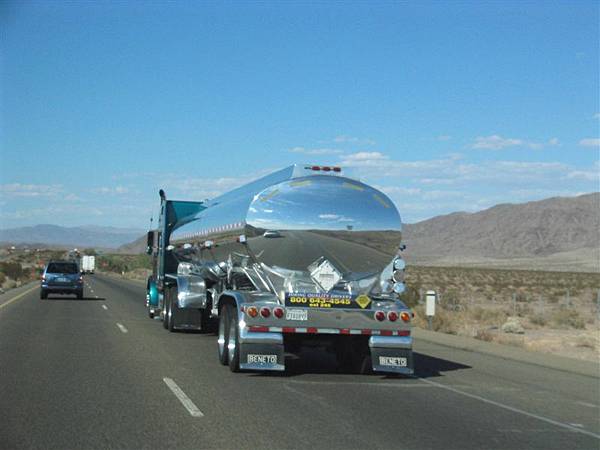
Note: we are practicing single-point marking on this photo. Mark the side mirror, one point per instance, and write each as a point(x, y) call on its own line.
point(149, 242)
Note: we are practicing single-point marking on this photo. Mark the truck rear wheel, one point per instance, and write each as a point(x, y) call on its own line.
point(173, 314)
point(223, 339)
point(166, 308)
point(233, 346)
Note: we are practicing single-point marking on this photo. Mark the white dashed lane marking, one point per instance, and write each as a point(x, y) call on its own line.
point(122, 328)
point(184, 399)
point(104, 306)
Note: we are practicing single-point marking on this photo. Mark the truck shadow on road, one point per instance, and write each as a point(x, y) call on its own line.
point(319, 363)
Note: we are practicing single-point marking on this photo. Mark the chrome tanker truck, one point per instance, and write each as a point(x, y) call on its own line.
point(301, 257)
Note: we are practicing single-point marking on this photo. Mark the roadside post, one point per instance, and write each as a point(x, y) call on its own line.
point(430, 299)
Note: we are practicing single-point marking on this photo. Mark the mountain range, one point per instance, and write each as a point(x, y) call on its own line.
point(560, 233)
point(83, 236)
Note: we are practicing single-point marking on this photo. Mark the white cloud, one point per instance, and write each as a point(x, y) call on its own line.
point(587, 175)
point(109, 190)
point(30, 190)
point(495, 142)
point(365, 157)
point(335, 217)
point(395, 190)
point(590, 142)
point(353, 140)
point(315, 151)
point(444, 137)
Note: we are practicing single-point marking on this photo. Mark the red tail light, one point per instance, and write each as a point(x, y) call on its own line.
point(326, 168)
point(265, 312)
point(380, 315)
point(392, 316)
point(278, 312)
point(337, 169)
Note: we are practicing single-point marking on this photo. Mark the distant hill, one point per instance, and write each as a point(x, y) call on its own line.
point(561, 233)
point(84, 236)
point(134, 248)
point(556, 233)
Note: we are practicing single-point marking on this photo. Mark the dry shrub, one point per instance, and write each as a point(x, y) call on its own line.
point(488, 315)
point(484, 335)
point(538, 319)
point(569, 319)
point(515, 341)
point(586, 342)
point(443, 321)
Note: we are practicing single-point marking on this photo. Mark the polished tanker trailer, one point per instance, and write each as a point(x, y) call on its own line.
point(301, 257)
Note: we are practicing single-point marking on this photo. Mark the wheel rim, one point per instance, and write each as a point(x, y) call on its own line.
point(221, 339)
point(232, 344)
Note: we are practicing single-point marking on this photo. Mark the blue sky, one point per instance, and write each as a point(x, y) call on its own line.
point(445, 106)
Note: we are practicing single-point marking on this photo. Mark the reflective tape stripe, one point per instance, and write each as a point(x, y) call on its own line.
point(314, 330)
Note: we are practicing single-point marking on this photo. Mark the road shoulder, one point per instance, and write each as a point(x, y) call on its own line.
point(576, 366)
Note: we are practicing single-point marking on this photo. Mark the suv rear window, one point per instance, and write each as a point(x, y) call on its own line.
point(62, 268)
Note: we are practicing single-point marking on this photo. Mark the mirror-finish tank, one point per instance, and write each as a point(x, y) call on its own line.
point(294, 220)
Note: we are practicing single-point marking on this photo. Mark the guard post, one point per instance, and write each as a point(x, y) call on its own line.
point(430, 300)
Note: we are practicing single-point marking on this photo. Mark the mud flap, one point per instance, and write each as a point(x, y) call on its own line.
point(392, 354)
point(261, 351)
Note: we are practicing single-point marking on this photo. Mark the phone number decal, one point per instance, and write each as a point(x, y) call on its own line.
point(321, 301)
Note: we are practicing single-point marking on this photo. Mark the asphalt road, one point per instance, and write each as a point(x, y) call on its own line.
point(91, 374)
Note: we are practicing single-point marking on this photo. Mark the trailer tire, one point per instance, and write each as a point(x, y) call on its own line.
point(43, 295)
point(166, 308)
point(223, 336)
point(233, 346)
point(173, 309)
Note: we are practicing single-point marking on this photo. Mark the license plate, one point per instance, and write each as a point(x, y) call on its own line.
point(296, 314)
point(393, 361)
point(62, 280)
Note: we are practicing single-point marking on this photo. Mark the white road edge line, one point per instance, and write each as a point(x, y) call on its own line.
point(510, 408)
point(122, 328)
point(104, 306)
point(589, 405)
point(184, 399)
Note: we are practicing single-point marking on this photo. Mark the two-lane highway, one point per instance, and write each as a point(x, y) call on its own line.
point(98, 373)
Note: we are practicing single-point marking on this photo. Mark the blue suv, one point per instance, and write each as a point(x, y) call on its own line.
point(62, 277)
